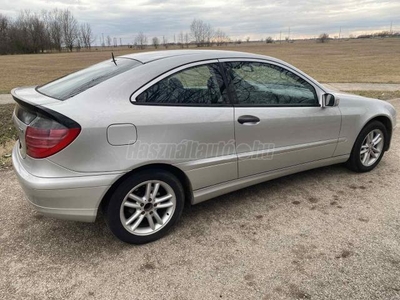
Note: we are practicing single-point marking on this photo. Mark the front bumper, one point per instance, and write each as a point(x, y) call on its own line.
point(74, 198)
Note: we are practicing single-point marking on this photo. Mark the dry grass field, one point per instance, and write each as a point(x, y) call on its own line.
point(382, 95)
point(372, 60)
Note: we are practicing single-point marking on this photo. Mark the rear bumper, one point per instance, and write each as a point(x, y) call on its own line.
point(72, 198)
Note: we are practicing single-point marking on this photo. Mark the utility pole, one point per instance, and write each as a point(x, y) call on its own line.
point(340, 32)
point(120, 42)
point(280, 38)
point(391, 27)
point(289, 35)
point(102, 40)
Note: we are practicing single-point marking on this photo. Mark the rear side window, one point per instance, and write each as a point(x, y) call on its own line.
point(200, 85)
point(78, 82)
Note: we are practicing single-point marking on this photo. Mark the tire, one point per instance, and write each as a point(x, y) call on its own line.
point(357, 160)
point(132, 206)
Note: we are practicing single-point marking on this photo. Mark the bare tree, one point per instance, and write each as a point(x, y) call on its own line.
point(56, 31)
point(181, 39)
point(269, 40)
point(109, 40)
point(70, 29)
point(47, 18)
point(40, 32)
point(33, 32)
point(141, 40)
point(323, 37)
point(187, 39)
point(87, 35)
point(208, 34)
point(79, 41)
point(4, 34)
point(53, 21)
point(220, 37)
point(47, 41)
point(156, 42)
point(201, 32)
point(27, 34)
point(30, 32)
point(165, 42)
point(196, 30)
point(248, 39)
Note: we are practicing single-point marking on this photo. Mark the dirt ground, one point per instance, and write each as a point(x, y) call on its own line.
point(322, 234)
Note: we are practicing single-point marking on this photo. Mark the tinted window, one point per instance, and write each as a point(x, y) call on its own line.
point(75, 83)
point(201, 85)
point(265, 84)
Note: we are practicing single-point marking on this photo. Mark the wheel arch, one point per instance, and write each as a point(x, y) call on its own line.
point(187, 186)
point(385, 120)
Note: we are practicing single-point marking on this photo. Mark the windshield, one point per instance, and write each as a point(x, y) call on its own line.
point(75, 83)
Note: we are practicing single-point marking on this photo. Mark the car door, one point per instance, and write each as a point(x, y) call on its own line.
point(279, 121)
point(186, 119)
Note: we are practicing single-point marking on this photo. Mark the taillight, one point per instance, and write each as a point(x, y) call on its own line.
point(45, 137)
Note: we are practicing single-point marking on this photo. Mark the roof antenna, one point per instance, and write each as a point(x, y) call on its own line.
point(113, 58)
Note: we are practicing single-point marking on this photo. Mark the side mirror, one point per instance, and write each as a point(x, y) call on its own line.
point(329, 100)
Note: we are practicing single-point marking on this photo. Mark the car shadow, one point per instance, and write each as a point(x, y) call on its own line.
point(249, 198)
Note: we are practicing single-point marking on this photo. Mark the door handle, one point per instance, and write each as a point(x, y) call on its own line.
point(248, 120)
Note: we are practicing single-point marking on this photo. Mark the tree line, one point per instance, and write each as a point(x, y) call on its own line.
point(381, 34)
point(324, 37)
point(58, 29)
point(33, 32)
point(201, 34)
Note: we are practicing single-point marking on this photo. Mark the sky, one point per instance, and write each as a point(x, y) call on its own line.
point(239, 19)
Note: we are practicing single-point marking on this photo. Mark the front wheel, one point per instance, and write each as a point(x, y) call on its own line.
point(145, 206)
point(369, 148)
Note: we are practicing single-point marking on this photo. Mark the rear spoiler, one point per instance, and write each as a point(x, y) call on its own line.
point(44, 111)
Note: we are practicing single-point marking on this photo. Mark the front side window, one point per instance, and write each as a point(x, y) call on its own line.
point(262, 84)
point(200, 85)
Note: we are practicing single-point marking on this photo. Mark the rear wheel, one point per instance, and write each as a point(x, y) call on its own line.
point(369, 148)
point(145, 206)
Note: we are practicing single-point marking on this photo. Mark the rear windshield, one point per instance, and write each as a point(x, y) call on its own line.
point(75, 83)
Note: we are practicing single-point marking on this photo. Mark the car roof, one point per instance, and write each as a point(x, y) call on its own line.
point(146, 57)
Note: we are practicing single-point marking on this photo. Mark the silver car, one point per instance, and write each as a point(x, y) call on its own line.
point(139, 136)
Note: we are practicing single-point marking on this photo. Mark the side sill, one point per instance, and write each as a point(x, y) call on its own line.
point(210, 192)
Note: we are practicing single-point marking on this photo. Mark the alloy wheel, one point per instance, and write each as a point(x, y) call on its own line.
point(372, 147)
point(148, 207)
